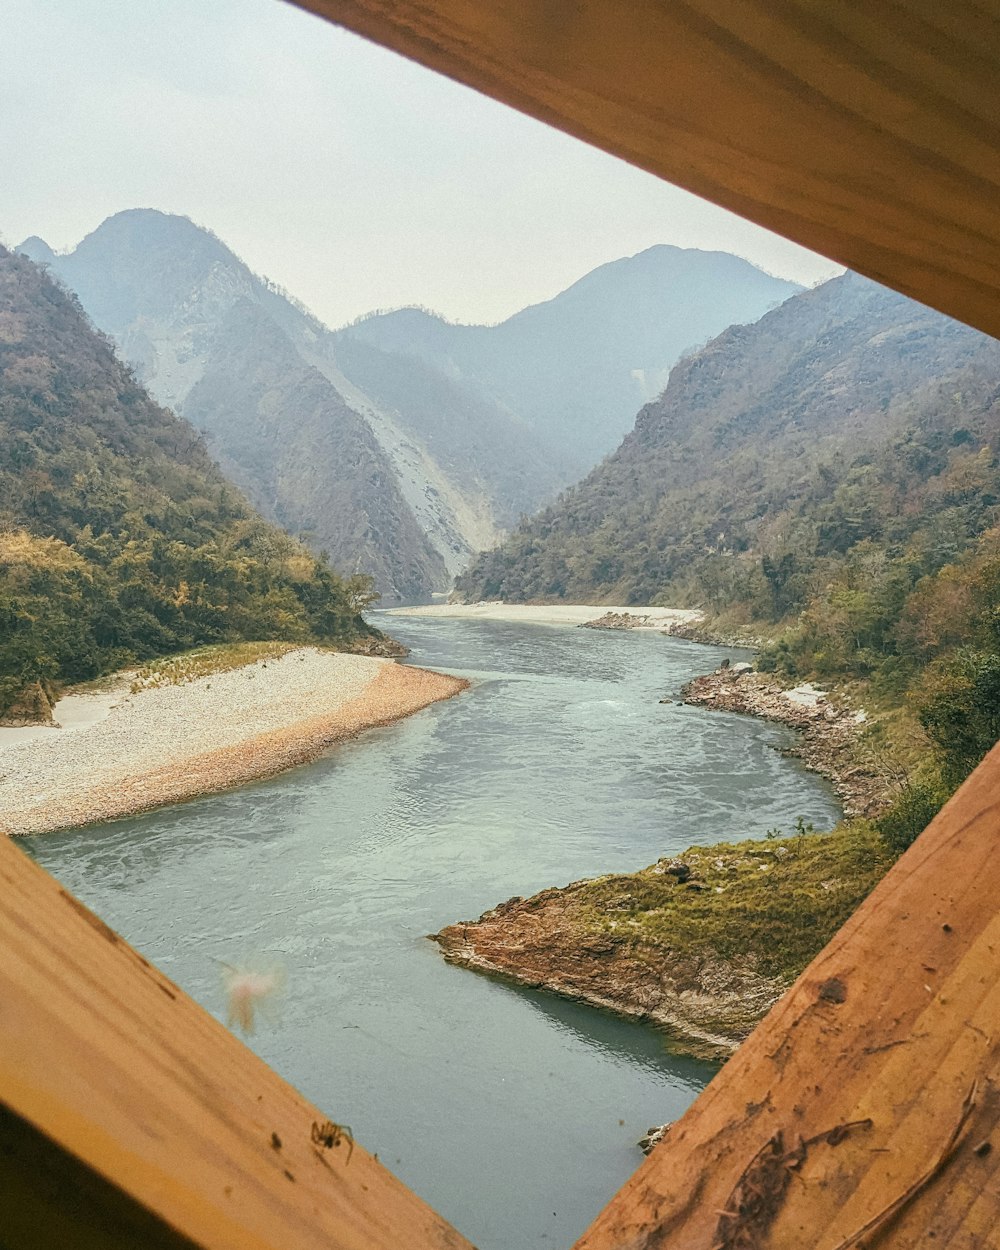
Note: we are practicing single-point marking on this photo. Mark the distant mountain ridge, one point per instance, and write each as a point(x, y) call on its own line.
point(577, 367)
point(396, 452)
point(191, 320)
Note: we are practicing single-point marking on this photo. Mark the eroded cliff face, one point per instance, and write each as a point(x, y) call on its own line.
point(550, 942)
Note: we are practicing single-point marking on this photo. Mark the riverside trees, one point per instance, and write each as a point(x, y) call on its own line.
point(119, 538)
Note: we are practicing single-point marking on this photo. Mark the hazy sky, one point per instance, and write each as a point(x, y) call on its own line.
point(352, 177)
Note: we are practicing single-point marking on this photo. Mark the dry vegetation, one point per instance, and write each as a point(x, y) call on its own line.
point(777, 901)
point(176, 670)
point(120, 541)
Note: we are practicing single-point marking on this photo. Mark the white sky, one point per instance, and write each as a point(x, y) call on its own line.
point(352, 177)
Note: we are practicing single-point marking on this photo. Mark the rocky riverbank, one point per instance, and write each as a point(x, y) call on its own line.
point(830, 732)
point(145, 747)
point(705, 943)
point(702, 944)
point(663, 620)
point(548, 942)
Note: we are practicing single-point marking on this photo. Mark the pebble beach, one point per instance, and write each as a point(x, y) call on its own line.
point(122, 751)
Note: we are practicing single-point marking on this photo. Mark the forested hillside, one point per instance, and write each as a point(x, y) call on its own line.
point(119, 539)
point(827, 478)
point(848, 414)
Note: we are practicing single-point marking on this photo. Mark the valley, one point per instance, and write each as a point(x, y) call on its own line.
point(499, 626)
point(396, 457)
point(810, 502)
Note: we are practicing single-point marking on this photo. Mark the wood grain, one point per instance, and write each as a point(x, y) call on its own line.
point(130, 1117)
point(897, 1022)
point(867, 132)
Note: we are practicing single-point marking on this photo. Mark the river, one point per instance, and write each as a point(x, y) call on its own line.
point(515, 1114)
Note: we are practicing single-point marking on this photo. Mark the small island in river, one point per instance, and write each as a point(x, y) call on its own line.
point(702, 944)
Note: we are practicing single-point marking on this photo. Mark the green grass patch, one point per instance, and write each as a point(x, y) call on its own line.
point(777, 901)
point(175, 670)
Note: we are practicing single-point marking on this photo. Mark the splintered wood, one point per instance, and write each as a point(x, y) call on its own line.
point(865, 1110)
point(760, 1191)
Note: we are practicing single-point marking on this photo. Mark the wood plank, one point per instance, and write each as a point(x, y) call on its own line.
point(130, 1117)
point(896, 1025)
point(867, 132)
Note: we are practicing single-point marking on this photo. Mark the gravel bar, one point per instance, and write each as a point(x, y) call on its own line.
point(171, 743)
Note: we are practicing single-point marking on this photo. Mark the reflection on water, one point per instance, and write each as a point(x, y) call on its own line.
point(514, 1113)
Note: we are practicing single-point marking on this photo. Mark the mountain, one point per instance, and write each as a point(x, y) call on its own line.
point(189, 317)
point(382, 462)
point(575, 368)
point(119, 538)
point(402, 444)
point(849, 415)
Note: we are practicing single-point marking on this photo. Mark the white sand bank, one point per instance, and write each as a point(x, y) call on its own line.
point(73, 711)
point(554, 614)
point(130, 752)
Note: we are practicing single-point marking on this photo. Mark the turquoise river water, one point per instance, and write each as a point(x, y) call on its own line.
point(515, 1114)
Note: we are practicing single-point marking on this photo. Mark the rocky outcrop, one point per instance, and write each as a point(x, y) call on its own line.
point(384, 646)
point(831, 732)
point(31, 707)
point(663, 620)
point(549, 942)
point(616, 620)
point(653, 1137)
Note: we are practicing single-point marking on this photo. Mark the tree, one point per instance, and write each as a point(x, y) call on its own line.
point(961, 711)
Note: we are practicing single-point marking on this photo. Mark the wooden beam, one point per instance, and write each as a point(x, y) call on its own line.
point(869, 132)
point(874, 1082)
point(130, 1117)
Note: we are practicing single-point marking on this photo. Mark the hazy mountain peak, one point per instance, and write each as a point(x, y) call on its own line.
point(142, 262)
point(377, 460)
point(36, 249)
point(576, 367)
point(664, 262)
point(152, 228)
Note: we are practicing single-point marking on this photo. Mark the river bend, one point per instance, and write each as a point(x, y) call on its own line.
point(515, 1114)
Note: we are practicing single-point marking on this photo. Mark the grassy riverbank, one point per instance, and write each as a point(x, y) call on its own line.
point(775, 902)
point(703, 944)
